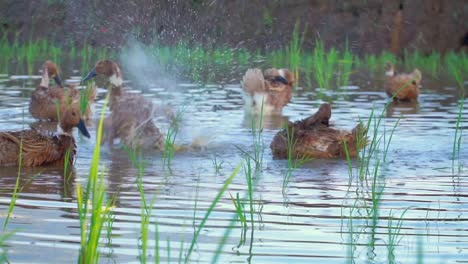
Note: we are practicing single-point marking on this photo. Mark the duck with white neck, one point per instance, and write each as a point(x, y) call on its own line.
point(131, 117)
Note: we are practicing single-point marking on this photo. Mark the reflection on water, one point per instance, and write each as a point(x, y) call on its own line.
point(397, 109)
point(307, 221)
point(272, 122)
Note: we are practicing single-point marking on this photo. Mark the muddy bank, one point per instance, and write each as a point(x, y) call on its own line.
point(367, 25)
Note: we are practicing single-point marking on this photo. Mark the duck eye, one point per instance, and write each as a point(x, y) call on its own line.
point(413, 82)
point(73, 113)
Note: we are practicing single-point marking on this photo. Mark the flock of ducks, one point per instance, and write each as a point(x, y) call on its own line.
point(131, 117)
point(313, 137)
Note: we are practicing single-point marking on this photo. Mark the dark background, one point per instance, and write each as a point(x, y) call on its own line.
point(255, 24)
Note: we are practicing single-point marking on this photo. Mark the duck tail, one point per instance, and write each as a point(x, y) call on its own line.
point(396, 31)
point(253, 81)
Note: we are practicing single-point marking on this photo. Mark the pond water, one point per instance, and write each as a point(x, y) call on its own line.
point(308, 221)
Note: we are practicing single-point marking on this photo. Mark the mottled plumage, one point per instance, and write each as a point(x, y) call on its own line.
point(403, 86)
point(273, 87)
point(313, 138)
point(131, 120)
point(131, 117)
point(38, 149)
point(44, 100)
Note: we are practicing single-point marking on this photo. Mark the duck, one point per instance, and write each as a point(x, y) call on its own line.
point(134, 125)
point(38, 149)
point(314, 138)
point(43, 103)
point(131, 117)
point(273, 88)
point(402, 86)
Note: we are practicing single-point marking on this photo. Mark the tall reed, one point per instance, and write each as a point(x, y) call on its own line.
point(93, 210)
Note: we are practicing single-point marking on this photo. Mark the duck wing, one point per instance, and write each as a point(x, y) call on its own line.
point(253, 81)
point(37, 149)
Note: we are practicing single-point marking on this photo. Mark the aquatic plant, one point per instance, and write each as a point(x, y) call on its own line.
point(328, 68)
point(85, 96)
point(15, 189)
point(140, 164)
point(93, 210)
point(258, 144)
point(429, 64)
point(294, 50)
point(217, 165)
point(323, 65)
point(345, 67)
point(210, 210)
point(257, 140)
point(456, 69)
point(240, 210)
point(169, 143)
point(293, 163)
point(458, 137)
point(420, 250)
point(248, 177)
point(157, 255)
point(368, 164)
point(394, 234)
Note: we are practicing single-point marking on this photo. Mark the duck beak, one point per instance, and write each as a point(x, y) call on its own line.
point(281, 79)
point(58, 81)
point(82, 127)
point(90, 75)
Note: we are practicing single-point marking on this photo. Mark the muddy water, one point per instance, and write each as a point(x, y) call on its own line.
point(306, 222)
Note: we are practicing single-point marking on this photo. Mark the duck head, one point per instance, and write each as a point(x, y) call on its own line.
point(53, 72)
point(279, 76)
point(288, 75)
point(389, 70)
point(70, 117)
point(107, 69)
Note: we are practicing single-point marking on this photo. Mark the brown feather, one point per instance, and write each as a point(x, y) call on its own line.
point(313, 138)
point(44, 100)
point(37, 149)
point(131, 117)
point(404, 86)
point(259, 86)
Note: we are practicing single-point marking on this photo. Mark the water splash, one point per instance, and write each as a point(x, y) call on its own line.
point(141, 65)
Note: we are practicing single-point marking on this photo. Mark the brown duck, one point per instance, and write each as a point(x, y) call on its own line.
point(273, 87)
point(43, 104)
point(40, 150)
point(131, 117)
point(402, 86)
point(314, 138)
